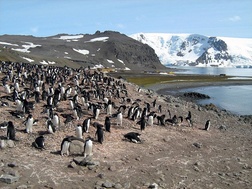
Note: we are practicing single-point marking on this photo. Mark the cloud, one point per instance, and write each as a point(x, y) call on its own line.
point(234, 18)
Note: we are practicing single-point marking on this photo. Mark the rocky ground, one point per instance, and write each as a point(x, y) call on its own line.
point(168, 156)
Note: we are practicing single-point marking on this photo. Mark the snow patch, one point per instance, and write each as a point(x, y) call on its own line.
point(26, 47)
point(121, 61)
point(110, 61)
point(47, 62)
point(70, 37)
point(5, 43)
point(28, 59)
point(84, 52)
point(98, 66)
point(101, 39)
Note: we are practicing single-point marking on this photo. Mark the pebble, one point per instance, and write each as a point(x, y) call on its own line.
point(9, 179)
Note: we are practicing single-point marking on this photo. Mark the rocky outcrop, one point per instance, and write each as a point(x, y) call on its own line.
point(108, 49)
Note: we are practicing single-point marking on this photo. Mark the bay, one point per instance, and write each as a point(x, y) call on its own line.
point(234, 98)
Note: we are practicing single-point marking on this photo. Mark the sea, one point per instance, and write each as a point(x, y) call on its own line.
point(236, 99)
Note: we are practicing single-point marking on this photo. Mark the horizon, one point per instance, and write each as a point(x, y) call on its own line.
point(225, 18)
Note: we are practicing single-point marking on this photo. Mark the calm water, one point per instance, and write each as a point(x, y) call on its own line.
point(236, 99)
point(241, 72)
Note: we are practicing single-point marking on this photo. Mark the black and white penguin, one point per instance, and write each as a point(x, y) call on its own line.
point(11, 131)
point(107, 124)
point(207, 125)
point(65, 144)
point(29, 123)
point(180, 120)
point(99, 132)
point(39, 142)
point(109, 108)
point(133, 137)
point(78, 131)
point(189, 119)
point(56, 120)
point(50, 126)
point(119, 118)
point(96, 112)
point(86, 125)
point(161, 120)
point(88, 147)
point(142, 123)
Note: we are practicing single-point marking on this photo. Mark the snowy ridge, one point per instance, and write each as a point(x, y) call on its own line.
point(199, 50)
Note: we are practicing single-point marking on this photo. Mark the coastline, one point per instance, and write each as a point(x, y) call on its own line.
point(164, 88)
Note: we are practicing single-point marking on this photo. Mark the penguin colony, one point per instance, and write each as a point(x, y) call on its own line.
point(84, 102)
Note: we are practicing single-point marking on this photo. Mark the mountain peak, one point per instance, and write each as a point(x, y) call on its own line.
point(198, 50)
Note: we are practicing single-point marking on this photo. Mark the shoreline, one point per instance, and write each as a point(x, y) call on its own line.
point(162, 88)
point(173, 89)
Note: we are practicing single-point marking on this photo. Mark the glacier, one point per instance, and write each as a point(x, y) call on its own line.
point(198, 50)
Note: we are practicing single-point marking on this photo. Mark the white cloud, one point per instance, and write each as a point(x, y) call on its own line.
point(234, 18)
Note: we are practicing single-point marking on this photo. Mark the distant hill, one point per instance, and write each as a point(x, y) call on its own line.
point(199, 50)
point(107, 49)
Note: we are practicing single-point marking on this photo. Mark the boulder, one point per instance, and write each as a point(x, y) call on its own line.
point(76, 147)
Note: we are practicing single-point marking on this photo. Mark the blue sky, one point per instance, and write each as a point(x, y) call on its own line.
point(226, 18)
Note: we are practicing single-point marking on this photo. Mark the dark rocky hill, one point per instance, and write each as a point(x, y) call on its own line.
point(107, 49)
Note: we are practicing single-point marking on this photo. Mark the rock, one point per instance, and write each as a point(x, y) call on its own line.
point(72, 164)
point(2, 144)
point(112, 168)
point(78, 160)
point(22, 186)
point(118, 186)
point(127, 185)
point(9, 179)
point(195, 95)
point(76, 148)
point(10, 143)
point(154, 186)
point(198, 145)
point(223, 127)
point(107, 184)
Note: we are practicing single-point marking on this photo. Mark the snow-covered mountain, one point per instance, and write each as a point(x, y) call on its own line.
point(199, 50)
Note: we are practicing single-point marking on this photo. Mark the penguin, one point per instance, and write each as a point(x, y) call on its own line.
point(56, 120)
point(180, 121)
point(96, 112)
point(189, 116)
point(142, 123)
point(119, 118)
point(133, 137)
point(10, 131)
point(50, 126)
point(150, 119)
point(161, 120)
point(39, 142)
point(71, 104)
point(88, 147)
point(65, 144)
point(29, 123)
point(78, 131)
point(76, 113)
point(207, 125)
point(107, 124)
point(109, 109)
point(86, 125)
point(4, 125)
point(99, 132)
